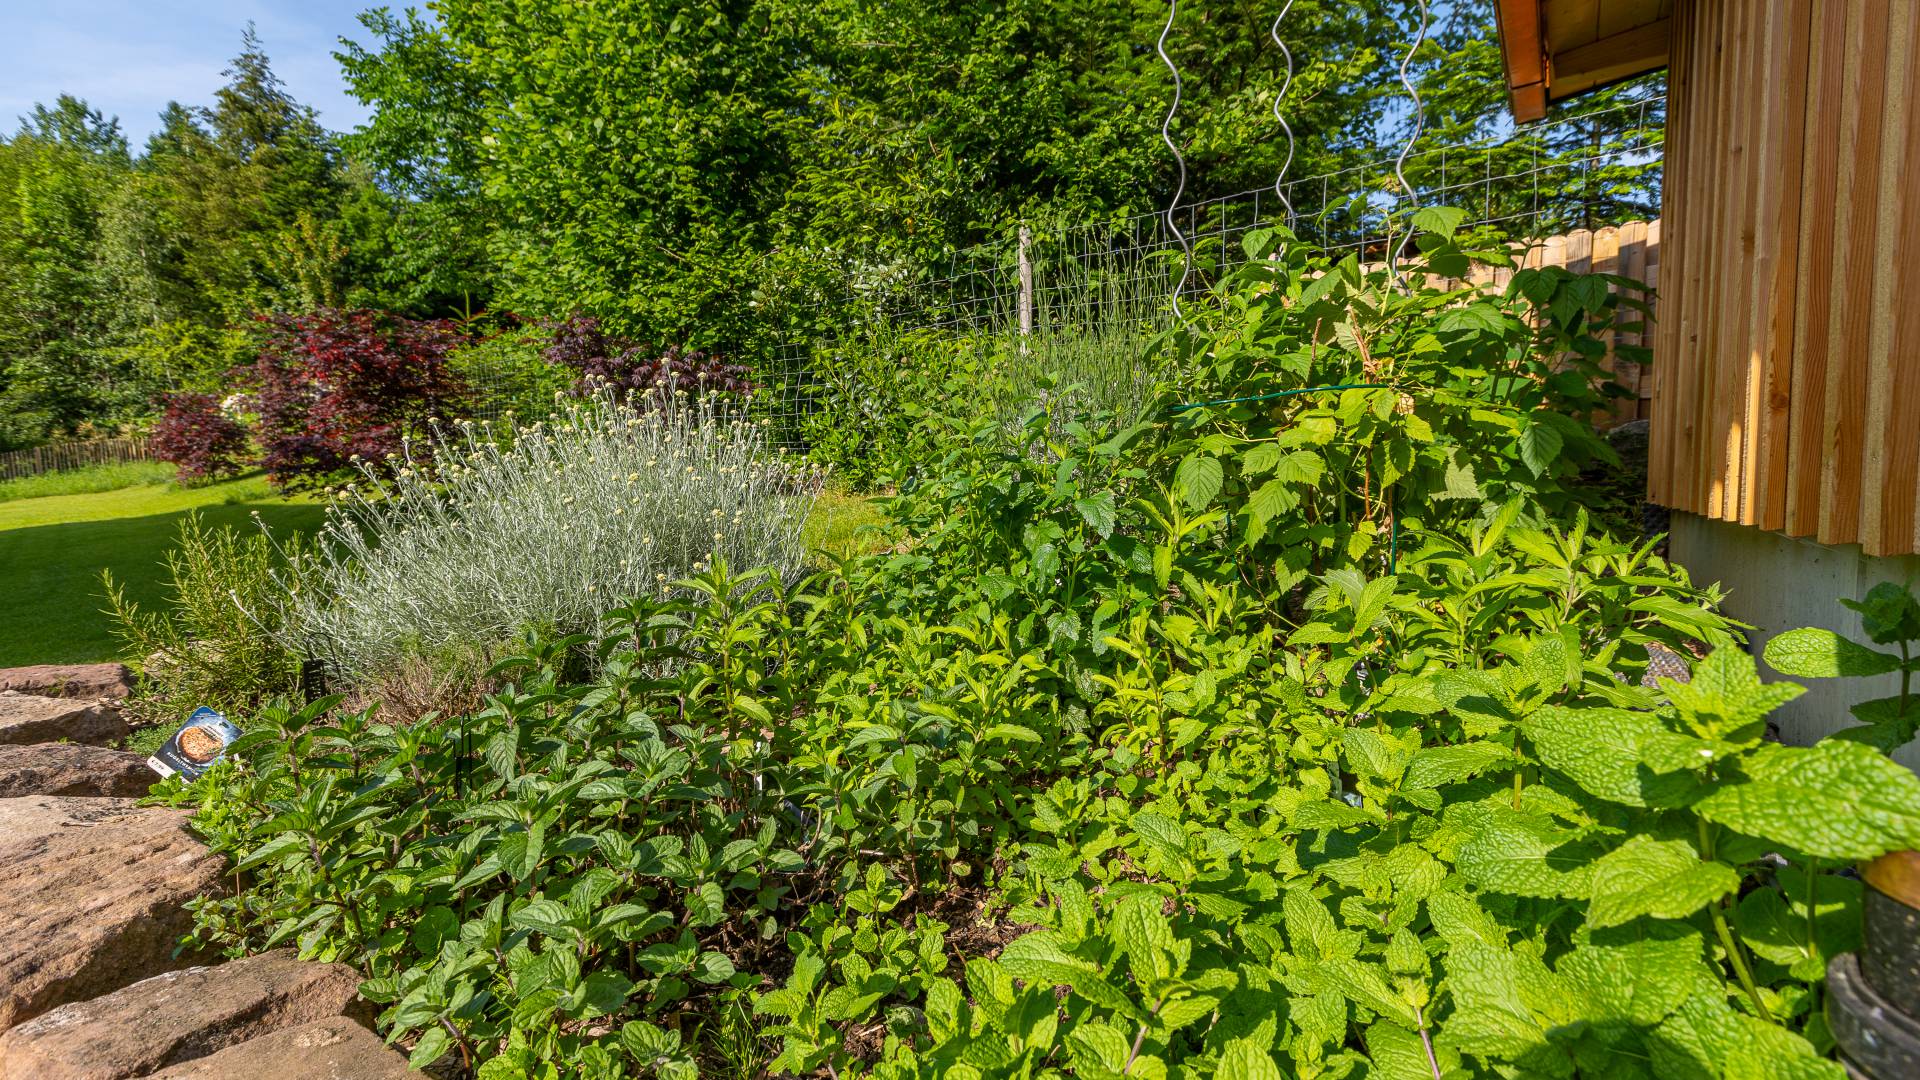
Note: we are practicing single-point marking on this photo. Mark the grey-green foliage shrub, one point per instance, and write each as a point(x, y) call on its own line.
point(453, 551)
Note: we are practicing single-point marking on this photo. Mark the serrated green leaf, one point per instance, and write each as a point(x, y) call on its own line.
point(1439, 220)
point(1525, 855)
point(1726, 699)
point(1491, 1015)
point(1814, 653)
point(1706, 1037)
point(1442, 765)
point(1663, 878)
point(1602, 750)
point(1261, 458)
point(1774, 920)
point(1540, 446)
point(1834, 800)
point(1098, 512)
point(1243, 1059)
point(1197, 481)
point(1639, 982)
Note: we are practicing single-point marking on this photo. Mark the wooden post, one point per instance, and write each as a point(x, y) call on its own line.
point(1026, 282)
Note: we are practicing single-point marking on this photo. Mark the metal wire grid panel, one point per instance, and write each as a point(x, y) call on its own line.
point(1539, 181)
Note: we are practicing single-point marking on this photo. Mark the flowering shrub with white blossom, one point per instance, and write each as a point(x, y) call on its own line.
point(448, 554)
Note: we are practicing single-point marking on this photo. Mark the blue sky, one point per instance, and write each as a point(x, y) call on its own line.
point(130, 57)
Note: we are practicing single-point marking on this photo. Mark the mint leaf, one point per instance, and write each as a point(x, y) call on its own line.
point(1663, 878)
point(1726, 699)
point(1601, 750)
point(1707, 1037)
point(1524, 855)
point(1814, 653)
point(1639, 982)
point(1834, 800)
point(1245, 1058)
point(1442, 765)
point(1492, 1016)
point(1773, 920)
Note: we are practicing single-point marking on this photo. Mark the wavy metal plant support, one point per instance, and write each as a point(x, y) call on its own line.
point(1286, 85)
point(1419, 124)
point(1180, 160)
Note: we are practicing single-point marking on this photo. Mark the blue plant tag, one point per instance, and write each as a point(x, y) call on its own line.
point(200, 742)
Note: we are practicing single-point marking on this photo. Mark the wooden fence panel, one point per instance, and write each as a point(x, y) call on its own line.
point(1630, 250)
point(80, 454)
point(1788, 392)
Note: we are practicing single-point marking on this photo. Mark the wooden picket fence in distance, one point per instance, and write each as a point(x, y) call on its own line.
point(1631, 250)
point(79, 454)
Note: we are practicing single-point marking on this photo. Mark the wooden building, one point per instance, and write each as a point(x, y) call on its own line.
point(1785, 400)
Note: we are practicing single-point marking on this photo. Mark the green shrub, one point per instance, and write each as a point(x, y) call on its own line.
point(216, 643)
point(508, 376)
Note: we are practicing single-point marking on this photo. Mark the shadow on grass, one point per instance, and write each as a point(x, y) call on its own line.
point(51, 598)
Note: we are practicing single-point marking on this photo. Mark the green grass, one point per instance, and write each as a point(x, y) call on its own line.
point(53, 548)
point(835, 526)
point(86, 481)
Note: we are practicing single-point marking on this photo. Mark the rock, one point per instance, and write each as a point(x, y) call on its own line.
point(71, 769)
point(178, 1017)
point(70, 680)
point(30, 718)
point(336, 1049)
point(93, 892)
point(1631, 439)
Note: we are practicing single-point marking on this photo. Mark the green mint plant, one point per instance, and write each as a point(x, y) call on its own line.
point(1890, 615)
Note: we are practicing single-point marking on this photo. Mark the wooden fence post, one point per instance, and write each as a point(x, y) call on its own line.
point(1026, 283)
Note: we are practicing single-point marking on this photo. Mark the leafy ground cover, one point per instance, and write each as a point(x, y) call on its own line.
point(1300, 730)
point(54, 548)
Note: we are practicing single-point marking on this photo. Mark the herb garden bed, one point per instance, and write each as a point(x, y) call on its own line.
point(1297, 734)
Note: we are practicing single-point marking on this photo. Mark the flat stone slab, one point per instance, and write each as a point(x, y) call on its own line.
point(70, 680)
point(336, 1049)
point(72, 769)
point(180, 1016)
point(93, 891)
point(30, 718)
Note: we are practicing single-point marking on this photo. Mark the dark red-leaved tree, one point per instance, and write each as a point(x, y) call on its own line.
point(334, 384)
point(194, 434)
point(602, 359)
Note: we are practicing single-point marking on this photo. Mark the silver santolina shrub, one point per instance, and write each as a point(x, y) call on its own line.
point(443, 557)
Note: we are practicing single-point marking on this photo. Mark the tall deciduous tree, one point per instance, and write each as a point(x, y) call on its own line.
point(57, 175)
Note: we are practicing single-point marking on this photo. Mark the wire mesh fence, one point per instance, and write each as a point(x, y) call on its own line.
point(1115, 277)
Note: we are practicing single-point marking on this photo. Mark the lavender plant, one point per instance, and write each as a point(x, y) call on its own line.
point(463, 545)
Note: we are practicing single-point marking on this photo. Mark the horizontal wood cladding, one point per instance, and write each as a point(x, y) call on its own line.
point(1786, 380)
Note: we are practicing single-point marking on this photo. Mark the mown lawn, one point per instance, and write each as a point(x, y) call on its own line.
point(53, 549)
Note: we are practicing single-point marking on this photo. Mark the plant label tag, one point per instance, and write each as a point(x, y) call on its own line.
point(192, 750)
